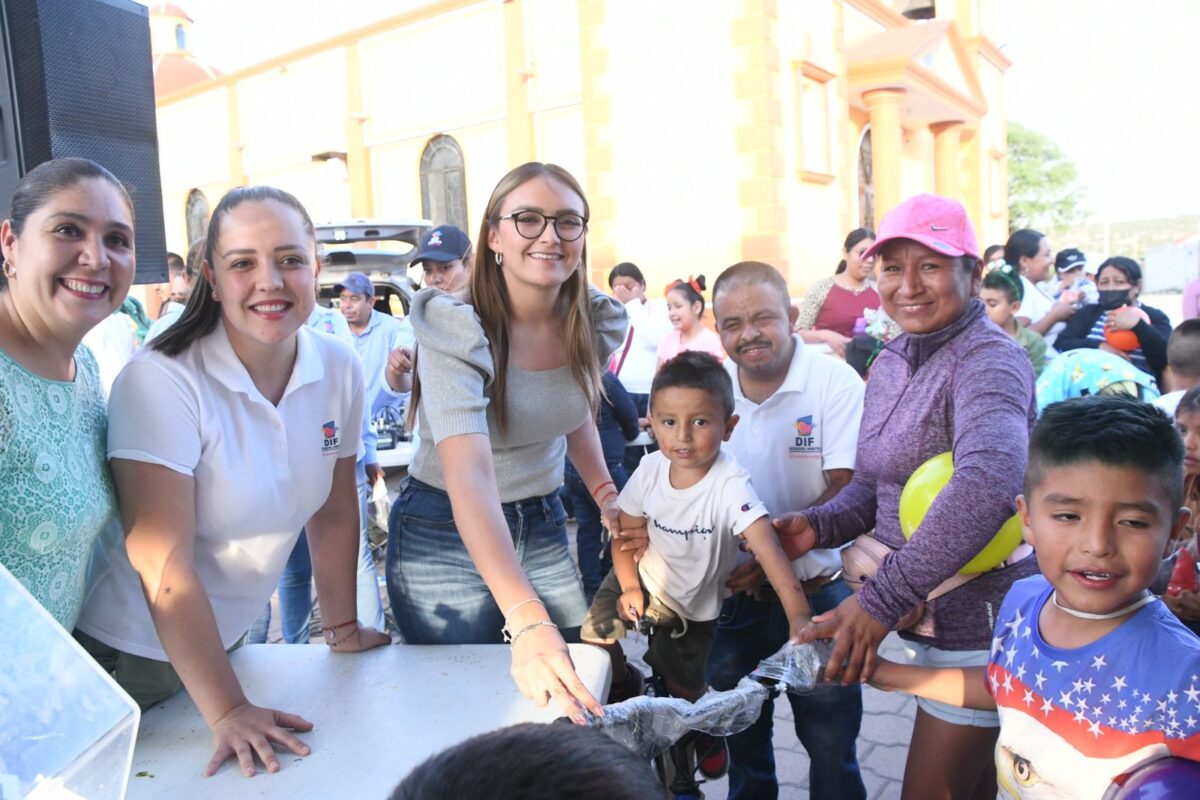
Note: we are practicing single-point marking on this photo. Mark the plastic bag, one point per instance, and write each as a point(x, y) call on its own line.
point(380, 505)
point(649, 725)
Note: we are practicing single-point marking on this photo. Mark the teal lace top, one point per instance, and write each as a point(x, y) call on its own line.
point(54, 480)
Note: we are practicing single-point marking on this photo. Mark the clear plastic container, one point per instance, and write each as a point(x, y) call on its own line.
point(66, 729)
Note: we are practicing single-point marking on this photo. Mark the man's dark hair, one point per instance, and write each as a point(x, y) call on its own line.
point(1110, 430)
point(1183, 349)
point(755, 272)
point(693, 369)
point(533, 762)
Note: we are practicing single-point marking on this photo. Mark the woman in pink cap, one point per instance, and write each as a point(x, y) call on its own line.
point(953, 382)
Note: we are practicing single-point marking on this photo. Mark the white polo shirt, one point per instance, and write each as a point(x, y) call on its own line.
point(808, 426)
point(261, 471)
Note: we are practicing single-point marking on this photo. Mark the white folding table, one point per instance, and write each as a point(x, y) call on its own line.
point(377, 715)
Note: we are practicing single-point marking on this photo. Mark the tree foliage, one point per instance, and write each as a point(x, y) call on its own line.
point(1043, 188)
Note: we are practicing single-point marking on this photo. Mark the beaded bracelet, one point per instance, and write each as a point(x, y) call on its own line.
point(511, 637)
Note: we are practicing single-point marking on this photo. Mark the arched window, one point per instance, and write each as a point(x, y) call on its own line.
point(180, 38)
point(196, 214)
point(866, 183)
point(443, 183)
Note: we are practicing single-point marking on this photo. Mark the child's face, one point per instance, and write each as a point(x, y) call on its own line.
point(690, 425)
point(1188, 424)
point(1100, 532)
point(683, 314)
point(999, 310)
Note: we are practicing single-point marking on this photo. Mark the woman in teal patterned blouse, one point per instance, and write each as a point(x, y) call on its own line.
point(68, 263)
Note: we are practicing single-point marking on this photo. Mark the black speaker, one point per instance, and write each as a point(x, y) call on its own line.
point(78, 80)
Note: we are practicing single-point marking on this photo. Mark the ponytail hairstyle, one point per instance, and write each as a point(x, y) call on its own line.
point(202, 312)
point(852, 239)
point(692, 290)
point(49, 178)
point(1024, 243)
point(489, 297)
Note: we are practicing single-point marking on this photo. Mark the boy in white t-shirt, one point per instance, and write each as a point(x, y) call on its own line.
point(696, 503)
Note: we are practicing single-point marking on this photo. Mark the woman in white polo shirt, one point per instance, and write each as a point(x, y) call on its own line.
point(236, 429)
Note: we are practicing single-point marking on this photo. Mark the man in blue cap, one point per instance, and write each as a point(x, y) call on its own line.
point(445, 256)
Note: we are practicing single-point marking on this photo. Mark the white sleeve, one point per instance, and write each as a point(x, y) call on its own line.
point(352, 434)
point(633, 497)
point(740, 503)
point(841, 414)
point(154, 416)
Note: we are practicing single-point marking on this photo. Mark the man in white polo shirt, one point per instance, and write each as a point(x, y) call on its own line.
point(797, 435)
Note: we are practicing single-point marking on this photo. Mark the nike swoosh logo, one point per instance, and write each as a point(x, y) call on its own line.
point(938, 228)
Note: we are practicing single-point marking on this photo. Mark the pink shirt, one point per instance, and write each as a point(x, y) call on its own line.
point(706, 342)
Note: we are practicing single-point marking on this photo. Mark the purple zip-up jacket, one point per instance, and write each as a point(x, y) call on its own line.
point(969, 389)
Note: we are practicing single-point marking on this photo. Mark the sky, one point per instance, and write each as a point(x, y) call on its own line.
point(1115, 83)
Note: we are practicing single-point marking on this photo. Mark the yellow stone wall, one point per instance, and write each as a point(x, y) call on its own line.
point(683, 119)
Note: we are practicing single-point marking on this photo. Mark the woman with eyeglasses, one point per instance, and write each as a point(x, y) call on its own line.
point(1119, 323)
point(507, 383)
point(833, 305)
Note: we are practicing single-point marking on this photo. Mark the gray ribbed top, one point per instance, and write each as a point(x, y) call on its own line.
point(457, 379)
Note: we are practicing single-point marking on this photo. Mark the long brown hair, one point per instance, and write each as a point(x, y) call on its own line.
point(489, 296)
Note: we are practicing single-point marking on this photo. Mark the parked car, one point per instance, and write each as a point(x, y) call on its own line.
point(381, 249)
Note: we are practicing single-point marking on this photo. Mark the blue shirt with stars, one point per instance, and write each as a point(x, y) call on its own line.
point(1073, 721)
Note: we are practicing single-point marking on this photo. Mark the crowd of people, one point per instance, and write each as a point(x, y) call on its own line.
point(762, 504)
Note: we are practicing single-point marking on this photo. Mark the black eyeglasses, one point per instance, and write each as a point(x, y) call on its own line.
point(530, 224)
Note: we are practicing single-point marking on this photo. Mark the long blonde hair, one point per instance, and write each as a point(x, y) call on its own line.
point(489, 296)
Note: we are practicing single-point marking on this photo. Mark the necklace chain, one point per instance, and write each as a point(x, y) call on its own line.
point(1120, 612)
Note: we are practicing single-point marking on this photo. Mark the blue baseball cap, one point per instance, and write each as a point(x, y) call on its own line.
point(443, 243)
point(357, 283)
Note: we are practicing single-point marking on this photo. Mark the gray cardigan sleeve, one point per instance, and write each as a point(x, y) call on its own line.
point(610, 321)
point(454, 364)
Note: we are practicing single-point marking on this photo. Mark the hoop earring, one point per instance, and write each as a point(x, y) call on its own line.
point(499, 260)
point(9, 270)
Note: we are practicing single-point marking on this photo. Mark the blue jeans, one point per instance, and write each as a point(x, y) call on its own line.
point(295, 589)
point(827, 722)
point(436, 592)
point(594, 558)
point(634, 455)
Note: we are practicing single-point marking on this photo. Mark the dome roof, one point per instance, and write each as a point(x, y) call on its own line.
point(175, 71)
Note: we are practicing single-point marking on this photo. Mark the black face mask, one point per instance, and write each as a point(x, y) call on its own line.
point(1113, 298)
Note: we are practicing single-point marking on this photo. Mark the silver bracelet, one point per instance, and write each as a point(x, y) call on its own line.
point(511, 637)
point(525, 602)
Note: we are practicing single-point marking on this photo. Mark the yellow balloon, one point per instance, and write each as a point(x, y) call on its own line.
point(924, 485)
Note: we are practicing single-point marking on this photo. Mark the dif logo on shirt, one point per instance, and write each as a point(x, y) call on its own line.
point(332, 441)
point(806, 441)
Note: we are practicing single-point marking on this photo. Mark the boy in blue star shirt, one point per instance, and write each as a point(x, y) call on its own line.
point(1091, 674)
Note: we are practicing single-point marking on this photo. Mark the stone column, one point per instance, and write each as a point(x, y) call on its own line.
point(884, 106)
point(946, 139)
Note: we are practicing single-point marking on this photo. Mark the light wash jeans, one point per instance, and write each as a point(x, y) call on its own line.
point(436, 592)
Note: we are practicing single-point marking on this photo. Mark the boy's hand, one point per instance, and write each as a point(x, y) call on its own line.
point(795, 533)
point(632, 605)
point(1185, 605)
point(796, 626)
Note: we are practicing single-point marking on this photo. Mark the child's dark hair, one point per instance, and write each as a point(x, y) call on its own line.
point(533, 762)
point(1189, 403)
point(852, 239)
point(1183, 349)
point(1002, 279)
point(693, 369)
point(692, 289)
point(1111, 430)
point(626, 269)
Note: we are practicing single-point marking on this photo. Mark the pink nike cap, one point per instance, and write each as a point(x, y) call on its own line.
point(939, 223)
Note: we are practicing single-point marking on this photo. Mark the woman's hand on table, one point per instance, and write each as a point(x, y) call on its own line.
point(543, 671)
point(248, 730)
point(856, 637)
